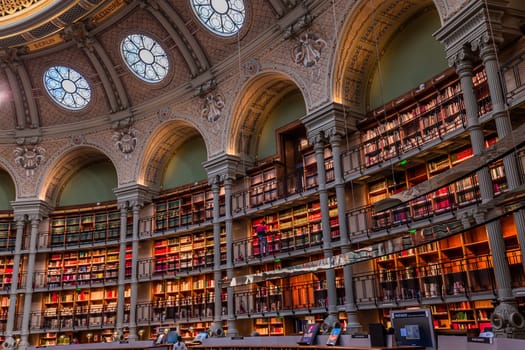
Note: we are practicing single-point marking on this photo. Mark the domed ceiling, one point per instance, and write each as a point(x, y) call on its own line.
point(30, 25)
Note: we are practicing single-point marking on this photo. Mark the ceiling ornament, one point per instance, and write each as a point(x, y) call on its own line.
point(29, 157)
point(10, 7)
point(212, 107)
point(307, 52)
point(251, 66)
point(125, 141)
point(77, 139)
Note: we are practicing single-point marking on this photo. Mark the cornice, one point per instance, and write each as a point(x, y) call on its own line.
point(331, 118)
point(223, 166)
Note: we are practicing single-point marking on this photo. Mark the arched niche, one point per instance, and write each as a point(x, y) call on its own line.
point(7, 190)
point(92, 183)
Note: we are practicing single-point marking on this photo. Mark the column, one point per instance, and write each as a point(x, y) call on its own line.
point(121, 303)
point(216, 327)
point(9, 340)
point(503, 126)
point(506, 318)
point(28, 298)
point(134, 267)
point(494, 232)
point(353, 325)
point(232, 327)
point(319, 145)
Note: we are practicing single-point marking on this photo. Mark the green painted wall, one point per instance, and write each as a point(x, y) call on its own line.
point(412, 57)
point(91, 184)
point(185, 166)
point(7, 190)
point(291, 108)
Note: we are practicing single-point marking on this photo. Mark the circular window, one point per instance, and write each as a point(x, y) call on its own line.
point(222, 17)
point(67, 87)
point(145, 57)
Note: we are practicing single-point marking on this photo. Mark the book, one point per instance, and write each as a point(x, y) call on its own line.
point(334, 336)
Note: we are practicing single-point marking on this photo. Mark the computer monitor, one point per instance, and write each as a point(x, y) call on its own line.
point(414, 327)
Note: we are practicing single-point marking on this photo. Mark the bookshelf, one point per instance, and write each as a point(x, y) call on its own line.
point(427, 113)
point(77, 227)
point(7, 234)
point(298, 227)
point(191, 205)
point(182, 299)
point(91, 310)
point(6, 272)
point(310, 167)
point(270, 326)
point(186, 252)
point(263, 182)
point(444, 271)
point(83, 267)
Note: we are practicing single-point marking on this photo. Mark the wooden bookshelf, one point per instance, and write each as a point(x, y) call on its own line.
point(186, 298)
point(263, 182)
point(298, 227)
point(90, 310)
point(83, 267)
point(449, 268)
point(187, 206)
point(428, 112)
point(310, 167)
point(6, 272)
point(7, 234)
point(78, 227)
point(185, 252)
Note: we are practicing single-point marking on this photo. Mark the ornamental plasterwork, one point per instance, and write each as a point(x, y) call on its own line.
point(308, 50)
point(251, 66)
point(125, 141)
point(29, 157)
point(9, 7)
point(212, 107)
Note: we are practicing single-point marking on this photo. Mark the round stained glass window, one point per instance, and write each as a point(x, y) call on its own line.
point(222, 17)
point(145, 57)
point(67, 87)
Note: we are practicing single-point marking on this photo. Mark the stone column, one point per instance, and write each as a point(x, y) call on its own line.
point(134, 267)
point(9, 340)
point(121, 303)
point(504, 128)
point(353, 325)
point(216, 327)
point(28, 297)
point(494, 232)
point(506, 319)
point(232, 327)
point(319, 145)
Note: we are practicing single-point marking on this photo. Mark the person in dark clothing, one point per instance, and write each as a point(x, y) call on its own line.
point(262, 231)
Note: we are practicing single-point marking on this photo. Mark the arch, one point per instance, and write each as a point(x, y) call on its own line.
point(255, 101)
point(366, 31)
point(65, 165)
point(165, 139)
point(6, 168)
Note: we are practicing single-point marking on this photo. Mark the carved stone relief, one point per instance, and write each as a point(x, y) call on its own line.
point(212, 107)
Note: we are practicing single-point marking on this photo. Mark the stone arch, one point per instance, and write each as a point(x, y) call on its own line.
point(65, 165)
point(7, 167)
point(364, 34)
point(257, 98)
point(164, 140)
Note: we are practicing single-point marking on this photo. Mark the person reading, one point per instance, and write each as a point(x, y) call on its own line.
point(261, 230)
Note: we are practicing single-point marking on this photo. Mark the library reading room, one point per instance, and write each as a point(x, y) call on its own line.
point(262, 174)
